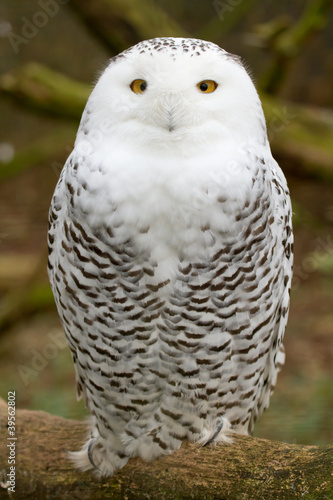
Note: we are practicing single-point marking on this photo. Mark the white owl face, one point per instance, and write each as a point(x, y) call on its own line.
point(172, 89)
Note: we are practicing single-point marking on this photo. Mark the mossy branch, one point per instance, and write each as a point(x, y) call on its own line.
point(248, 468)
point(43, 89)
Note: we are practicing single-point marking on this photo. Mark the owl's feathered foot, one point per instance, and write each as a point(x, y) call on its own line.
point(221, 433)
point(99, 455)
point(219, 427)
point(90, 450)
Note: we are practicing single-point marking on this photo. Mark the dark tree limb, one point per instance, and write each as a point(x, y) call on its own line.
point(284, 40)
point(249, 468)
point(41, 152)
point(227, 16)
point(118, 24)
point(33, 296)
point(299, 132)
point(43, 89)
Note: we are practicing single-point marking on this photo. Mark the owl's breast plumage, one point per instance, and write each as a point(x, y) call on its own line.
point(168, 293)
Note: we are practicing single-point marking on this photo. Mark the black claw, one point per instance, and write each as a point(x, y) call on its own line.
point(90, 450)
point(219, 427)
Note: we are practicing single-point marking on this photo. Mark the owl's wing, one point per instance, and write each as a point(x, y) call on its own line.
point(57, 219)
point(283, 229)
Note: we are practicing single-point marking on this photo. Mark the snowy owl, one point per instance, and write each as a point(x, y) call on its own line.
point(171, 253)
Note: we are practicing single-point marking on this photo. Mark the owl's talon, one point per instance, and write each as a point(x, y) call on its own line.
point(90, 450)
point(218, 429)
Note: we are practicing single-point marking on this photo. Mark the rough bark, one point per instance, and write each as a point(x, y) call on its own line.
point(301, 133)
point(247, 469)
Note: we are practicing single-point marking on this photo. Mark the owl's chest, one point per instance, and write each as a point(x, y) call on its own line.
point(171, 226)
point(167, 205)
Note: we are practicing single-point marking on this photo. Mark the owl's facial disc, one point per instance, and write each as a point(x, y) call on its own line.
point(170, 107)
point(176, 94)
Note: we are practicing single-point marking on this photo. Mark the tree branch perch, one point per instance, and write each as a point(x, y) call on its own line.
point(249, 468)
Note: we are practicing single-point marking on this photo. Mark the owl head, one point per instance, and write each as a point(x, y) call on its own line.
point(167, 91)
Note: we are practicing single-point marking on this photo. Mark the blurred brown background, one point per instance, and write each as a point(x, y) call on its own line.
point(287, 47)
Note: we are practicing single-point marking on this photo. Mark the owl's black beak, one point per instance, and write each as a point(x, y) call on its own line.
point(170, 108)
point(171, 120)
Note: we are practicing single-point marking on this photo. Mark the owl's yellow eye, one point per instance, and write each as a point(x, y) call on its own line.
point(207, 86)
point(138, 86)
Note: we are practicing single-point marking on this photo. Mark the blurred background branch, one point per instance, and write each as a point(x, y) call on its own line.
point(41, 149)
point(118, 24)
point(46, 90)
point(226, 18)
point(285, 39)
point(33, 296)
